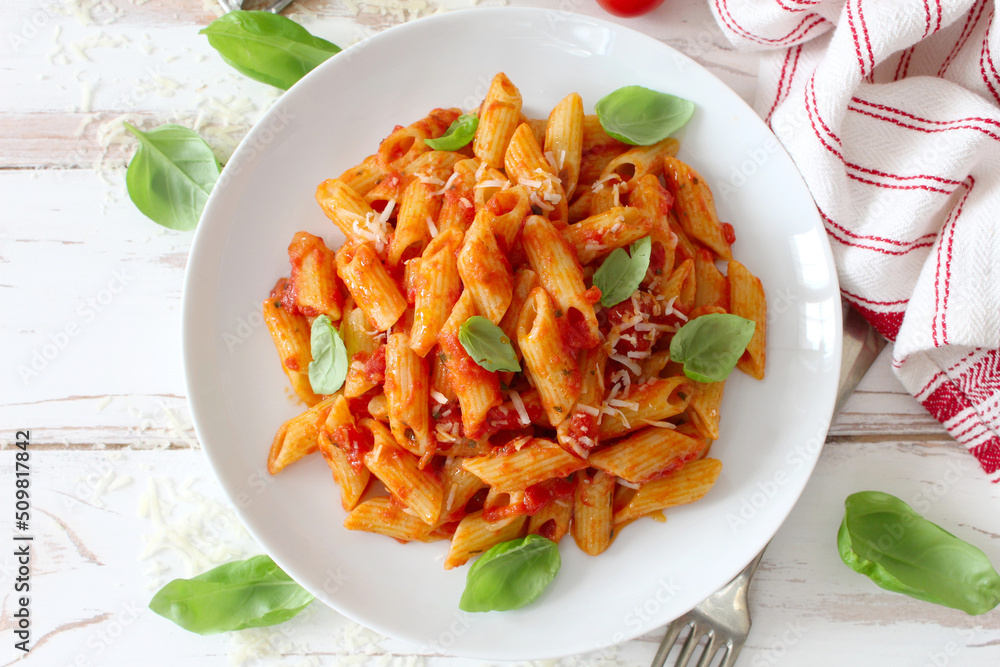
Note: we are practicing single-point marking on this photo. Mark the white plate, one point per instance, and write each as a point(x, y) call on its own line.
point(771, 431)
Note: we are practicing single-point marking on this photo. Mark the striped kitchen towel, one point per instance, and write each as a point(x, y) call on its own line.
point(891, 111)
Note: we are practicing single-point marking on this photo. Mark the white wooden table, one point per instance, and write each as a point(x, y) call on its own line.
point(89, 319)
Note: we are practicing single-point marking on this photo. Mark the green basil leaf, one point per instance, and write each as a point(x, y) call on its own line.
point(328, 368)
point(709, 346)
point(267, 47)
point(511, 574)
point(171, 175)
point(243, 594)
point(619, 275)
point(884, 539)
point(487, 344)
point(640, 116)
point(458, 134)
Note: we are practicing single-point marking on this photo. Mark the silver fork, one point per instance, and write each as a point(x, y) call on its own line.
point(274, 7)
point(724, 618)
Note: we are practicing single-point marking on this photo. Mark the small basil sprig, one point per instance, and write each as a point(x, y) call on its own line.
point(458, 134)
point(171, 175)
point(619, 275)
point(487, 344)
point(267, 47)
point(709, 346)
point(511, 574)
point(328, 368)
point(243, 594)
point(884, 539)
point(640, 116)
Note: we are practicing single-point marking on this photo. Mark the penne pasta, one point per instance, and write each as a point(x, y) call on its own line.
point(587, 425)
point(684, 486)
point(499, 116)
point(747, 300)
point(592, 511)
point(290, 332)
point(370, 284)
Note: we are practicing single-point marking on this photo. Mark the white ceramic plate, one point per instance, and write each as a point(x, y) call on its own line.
point(771, 431)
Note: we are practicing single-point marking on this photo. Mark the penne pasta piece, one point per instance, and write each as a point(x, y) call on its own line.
point(597, 151)
point(508, 209)
point(525, 280)
point(474, 535)
point(683, 486)
point(592, 511)
point(400, 472)
point(436, 287)
point(550, 363)
point(489, 182)
point(579, 207)
point(387, 516)
point(680, 287)
point(297, 437)
point(705, 408)
point(413, 233)
point(711, 289)
point(563, 144)
point(406, 144)
point(562, 277)
point(578, 433)
point(653, 401)
point(653, 199)
point(460, 486)
point(291, 335)
point(553, 519)
point(509, 469)
point(477, 389)
point(639, 162)
point(499, 116)
point(526, 165)
point(313, 284)
point(695, 206)
point(362, 343)
point(747, 300)
point(351, 213)
point(433, 167)
point(459, 193)
point(365, 176)
point(343, 445)
point(484, 270)
point(369, 283)
point(598, 235)
point(647, 454)
point(407, 393)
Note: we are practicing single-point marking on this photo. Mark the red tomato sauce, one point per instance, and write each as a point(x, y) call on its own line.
point(355, 443)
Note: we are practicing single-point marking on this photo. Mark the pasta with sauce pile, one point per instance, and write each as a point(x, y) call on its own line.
point(600, 427)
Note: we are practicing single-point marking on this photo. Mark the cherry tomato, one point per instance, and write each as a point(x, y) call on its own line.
point(629, 7)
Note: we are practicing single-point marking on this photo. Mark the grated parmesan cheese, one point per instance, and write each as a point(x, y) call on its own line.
point(551, 159)
point(522, 414)
point(618, 403)
point(659, 424)
point(431, 180)
point(536, 200)
point(438, 396)
point(447, 184)
point(626, 362)
point(589, 409)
